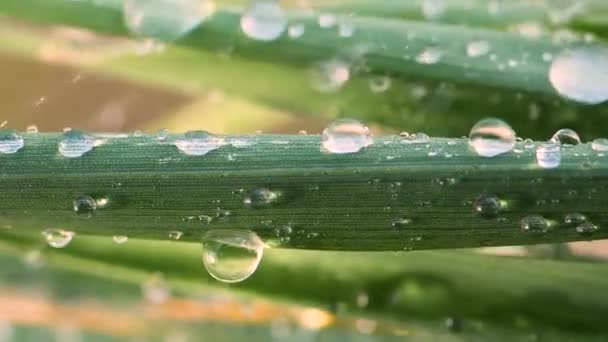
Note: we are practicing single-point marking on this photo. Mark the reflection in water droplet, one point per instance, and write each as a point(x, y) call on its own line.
point(264, 20)
point(487, 206)
point(198, 143)
point(165, 19)
point(600, 145)
point(430, 55)
point(345, 136)
point(566, 136)
point(231, 256)
point(10, 141)
point(120, 239)
point(534, 224)
point(76, 143)
point(548, 155)
point(581, 74)
point(57, 238)
point(491, 137)
point(478, 48)
point(329, 76)
point(84, 204)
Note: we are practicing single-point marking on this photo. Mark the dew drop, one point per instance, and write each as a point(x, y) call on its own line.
point(165, 19)
point(296, 31)
point(198, 143)
point(491, 137)
point(487, 206)
point(534, 224)
point(57, 238)
point(264, 20)
point(345, 136)
point(548, 155)
point(566, 136)
point(261, 197)
point(574, 219)
point(31, 129)
point(581, 74)
point(10, 141)
point(76, 143)
point(84, 205)
point(430, 55)
point(231, 256)
point(175, 235)
point(329, 76)
point(379, 84)
point(600, 145)
point(283, 233)
point(586, 228)
point(401, 222)
point(478, 48)
point(120, 239)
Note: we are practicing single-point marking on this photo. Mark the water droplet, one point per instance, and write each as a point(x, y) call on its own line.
point(10, 141)
point(120, 239)
point(57, 238)
point(586, 228)
point(491, 137)
point(478, 48)
point(534, 224)
point(430, 55)
point(175, 235)
point(574, 219)
point(379, 84)
point(283, 233)
point(165, 19)
point(85, 205)
point(346, 29)
point(264, 20)
point(231, 256)
point(261, 197)
point(327, 20)
point(600, 145)
point(548, 155)
point(581, 74)
point(433, 9)
point(401, 222)
point(155, 289)
point(487, 206)
point(76, 143)
point(31, 129)
point(566, 136)
point(198, 143)
point(296, 31)
point(329, 76)
point(345, 136)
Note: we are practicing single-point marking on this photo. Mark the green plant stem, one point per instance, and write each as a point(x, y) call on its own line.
point(390, 196)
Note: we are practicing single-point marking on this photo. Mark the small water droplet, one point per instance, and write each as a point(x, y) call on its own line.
point(261, 197)
point(379, 84)
point(491, 137)
point(31, 129)
point(600, 145)
point(586, 228)
point(478, 48)
point(120, 239)
point(327, 20)
point(296, 31)
point(581, 74)
point(10, 141)
point(574, 219)
point(430, 55)
point(76, 143)
point(329, 76)
point(283, 233)
point(487, 206)
point(401, 222)
point(175, 235)
point(231, 256)
point(264, 20)
point(548, 155)
point(155, 289)
point(535, 224)
point(345, 136)
point(198, 143)
point(84, 205)
point(57, 238)
point(566, 136)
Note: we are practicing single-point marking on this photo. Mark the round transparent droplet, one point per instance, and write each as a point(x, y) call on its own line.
point(433, 9)
point(84, 205)
point(581, 74)
point(120, 239)
point(600, 145)
point(165, 19)
point(491, 137)
point(379, 84)
point(534, 224)
point(264, 20)
point(231, 256)
point(430, 55)
point(566, 136)
point(586, 228)
point(401, 222)
point(198, 143)
point(548, 155)
point(345, 136)
point(261, 197)
point(296, 31)
point(175, 235)
point(329, 76)
point(574, 219)
point(57, 238)
point(478, 48)
point(76, 143)
point(10, 141)
point(487, 206)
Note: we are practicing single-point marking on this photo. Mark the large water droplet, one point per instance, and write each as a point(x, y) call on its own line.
point(586, 228)
point(574, 219)
point(600, 145)
point(165, 19)
point(548, 155)
point(76, 143)
point(566, 136)
point(10, 141)
point(534, 224)
point(264, 20)
point(329, 76)
point(581, 74)
point(57, 238)
point(345, 136)
point(198, 143)
point(430, 55)
point(260, 197)
point(85, 205)
point(491, 137)
point(231, 256)
point(478, 48)
point(487, 206)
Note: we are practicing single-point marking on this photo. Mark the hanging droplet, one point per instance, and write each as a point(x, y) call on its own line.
point(264, 20)
point(379, 84)
point(581, 74)
point(76, 143)
point(487, 206)
point(600, 145)
point(345, 136)
point(566, 136)
point(175, 235)
point(548, 155)
point(329, 76)
point(430, 55)
point(491, 137)
point(10, 141)
point(198, 143)
point(165, 19)
point(261, 197)
point(296, 31)
point(535, 224)
point(478, 48)
point(120, 239)
point(84, 205)
point(231, 256)
point(57, 238)
point(586, 228)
